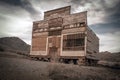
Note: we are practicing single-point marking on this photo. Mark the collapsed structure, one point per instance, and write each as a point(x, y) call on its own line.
point(63, 37)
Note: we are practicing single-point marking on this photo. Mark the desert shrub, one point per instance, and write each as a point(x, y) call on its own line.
point(62, 72)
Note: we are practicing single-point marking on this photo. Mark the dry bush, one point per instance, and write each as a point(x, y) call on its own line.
point(61, 72)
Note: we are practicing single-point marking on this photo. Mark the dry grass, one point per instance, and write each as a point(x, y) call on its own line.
point(73, 72)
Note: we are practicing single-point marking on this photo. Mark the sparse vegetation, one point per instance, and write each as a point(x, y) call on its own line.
point(75, 72)
point(11, 64)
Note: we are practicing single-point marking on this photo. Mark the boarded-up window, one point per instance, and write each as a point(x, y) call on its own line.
point(56, 22)
point(73, 42)
point(39, 44)
point(54, 33)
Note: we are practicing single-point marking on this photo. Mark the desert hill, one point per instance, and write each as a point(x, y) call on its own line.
point(113, 57)
point(13, 44)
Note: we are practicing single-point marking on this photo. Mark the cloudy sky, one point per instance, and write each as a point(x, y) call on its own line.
point(16, 17)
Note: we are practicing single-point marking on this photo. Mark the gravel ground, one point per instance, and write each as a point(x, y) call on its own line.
point(18, 67)
point(15, 67)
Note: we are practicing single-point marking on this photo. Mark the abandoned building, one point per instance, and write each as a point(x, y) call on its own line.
point(63, 37)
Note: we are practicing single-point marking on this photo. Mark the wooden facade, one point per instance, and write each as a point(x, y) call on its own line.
point(62, 35)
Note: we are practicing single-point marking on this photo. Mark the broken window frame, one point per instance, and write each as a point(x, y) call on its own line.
point(71, 42)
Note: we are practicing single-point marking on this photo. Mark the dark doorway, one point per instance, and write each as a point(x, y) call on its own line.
point(53, 54)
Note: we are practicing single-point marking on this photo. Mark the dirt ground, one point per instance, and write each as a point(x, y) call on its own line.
point(18, 67)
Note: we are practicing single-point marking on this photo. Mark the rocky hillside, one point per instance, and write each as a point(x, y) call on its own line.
point(107, 56)
point(107, 59)
point(13, 44)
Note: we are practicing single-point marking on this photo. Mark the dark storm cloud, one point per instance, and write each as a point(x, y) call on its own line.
point(12, 2)
point(81, 2)
point(25, 4)
point(92, 2)
point(112, 20)
point(77, 3)
point(113, 13)
point(103, 28)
